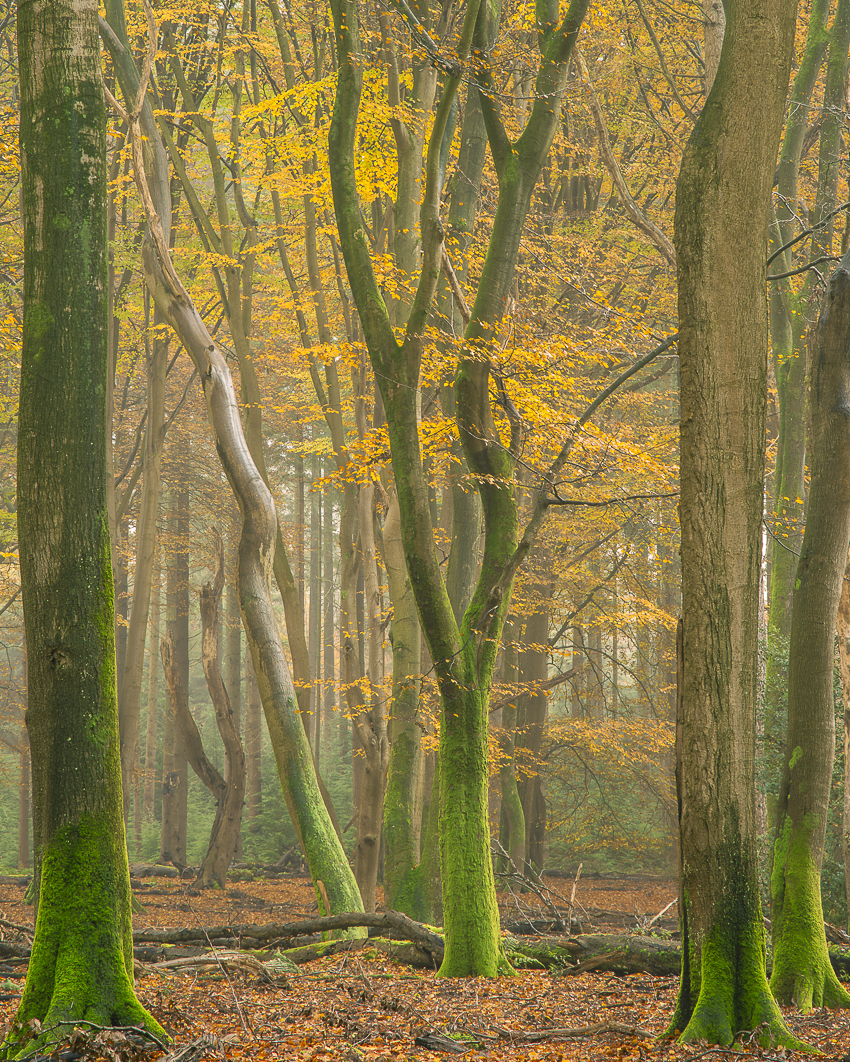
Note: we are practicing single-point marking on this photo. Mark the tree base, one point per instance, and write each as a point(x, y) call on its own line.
point(734, 997)
point(82, 959)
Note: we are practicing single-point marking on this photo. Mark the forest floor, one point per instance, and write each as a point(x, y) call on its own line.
point(364, 1006)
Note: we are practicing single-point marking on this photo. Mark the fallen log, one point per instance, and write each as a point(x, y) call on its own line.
point(576, 1033)
point(390, 920)
point(609, 952)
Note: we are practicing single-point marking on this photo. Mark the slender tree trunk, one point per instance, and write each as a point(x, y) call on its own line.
point(512, 816)
point(224, 838)
point(403, 885)
point(146, 535)
point(81, 968)
point(153, 695)
point(233, 649)
point(24, 810)
point(253, 743)
point(168, 814)
point(722, 212)
point(533, 712)
point(329, 623)
point(314, 620)
point(802, 972)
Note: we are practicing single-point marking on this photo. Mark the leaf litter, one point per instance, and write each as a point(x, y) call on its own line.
point(363, 1005)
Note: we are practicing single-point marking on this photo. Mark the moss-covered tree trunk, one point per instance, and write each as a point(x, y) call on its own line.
point(802, 972)
point(463, 654)
point(722, 211)
point(82, 960)
point(403, 885)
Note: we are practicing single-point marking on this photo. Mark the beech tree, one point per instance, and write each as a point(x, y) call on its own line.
point(464, 654)
point(82, 960)
point(721, 223)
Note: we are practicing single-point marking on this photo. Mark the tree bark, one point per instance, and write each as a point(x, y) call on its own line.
point(802, 973)
point(81, 967)
point(723, 196)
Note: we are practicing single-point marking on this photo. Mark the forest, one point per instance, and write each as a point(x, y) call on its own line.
point(458, 395)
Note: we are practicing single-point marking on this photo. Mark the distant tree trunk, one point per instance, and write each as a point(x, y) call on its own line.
point(146, 534)
point(228, 791)
point(178, 627)
point(228, 820)
point(253, 743)
point(168, 814)
point(328, 693)
point(81, 967)
point(314, 618)
point(533, 711)
point(802, 973)
point(722, 212)
point(175, 781)
point(24, 811)
point(512, 833)
point(153, 696)
point(233, 648)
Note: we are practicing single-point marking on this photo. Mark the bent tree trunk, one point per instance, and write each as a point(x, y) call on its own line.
point(723, 195)
point(336, 890)
point(82, 960)
point(802, 972)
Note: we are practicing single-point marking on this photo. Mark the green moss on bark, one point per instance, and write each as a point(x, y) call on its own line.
point(81, 967)
point(802, 973)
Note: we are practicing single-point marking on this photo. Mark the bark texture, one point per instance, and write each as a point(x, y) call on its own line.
point(722, 211)
point(82, 960)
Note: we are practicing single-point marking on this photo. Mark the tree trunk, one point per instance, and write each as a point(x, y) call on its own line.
point(24, 812)
point(403, 887)
point(146, 534)
point(328, 689)
point(153, 696)
point(534, 709)
point(253, 743)
point(168, 811)
point(81, 968)
point(173, 836)
point(463, 655)
point(723, 196)
point(224, 838)
point(802, 973)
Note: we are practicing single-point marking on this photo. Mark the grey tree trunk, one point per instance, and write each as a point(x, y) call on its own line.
point(722, 212)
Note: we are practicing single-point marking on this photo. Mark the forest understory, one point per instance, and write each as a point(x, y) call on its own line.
point(363, 1004)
